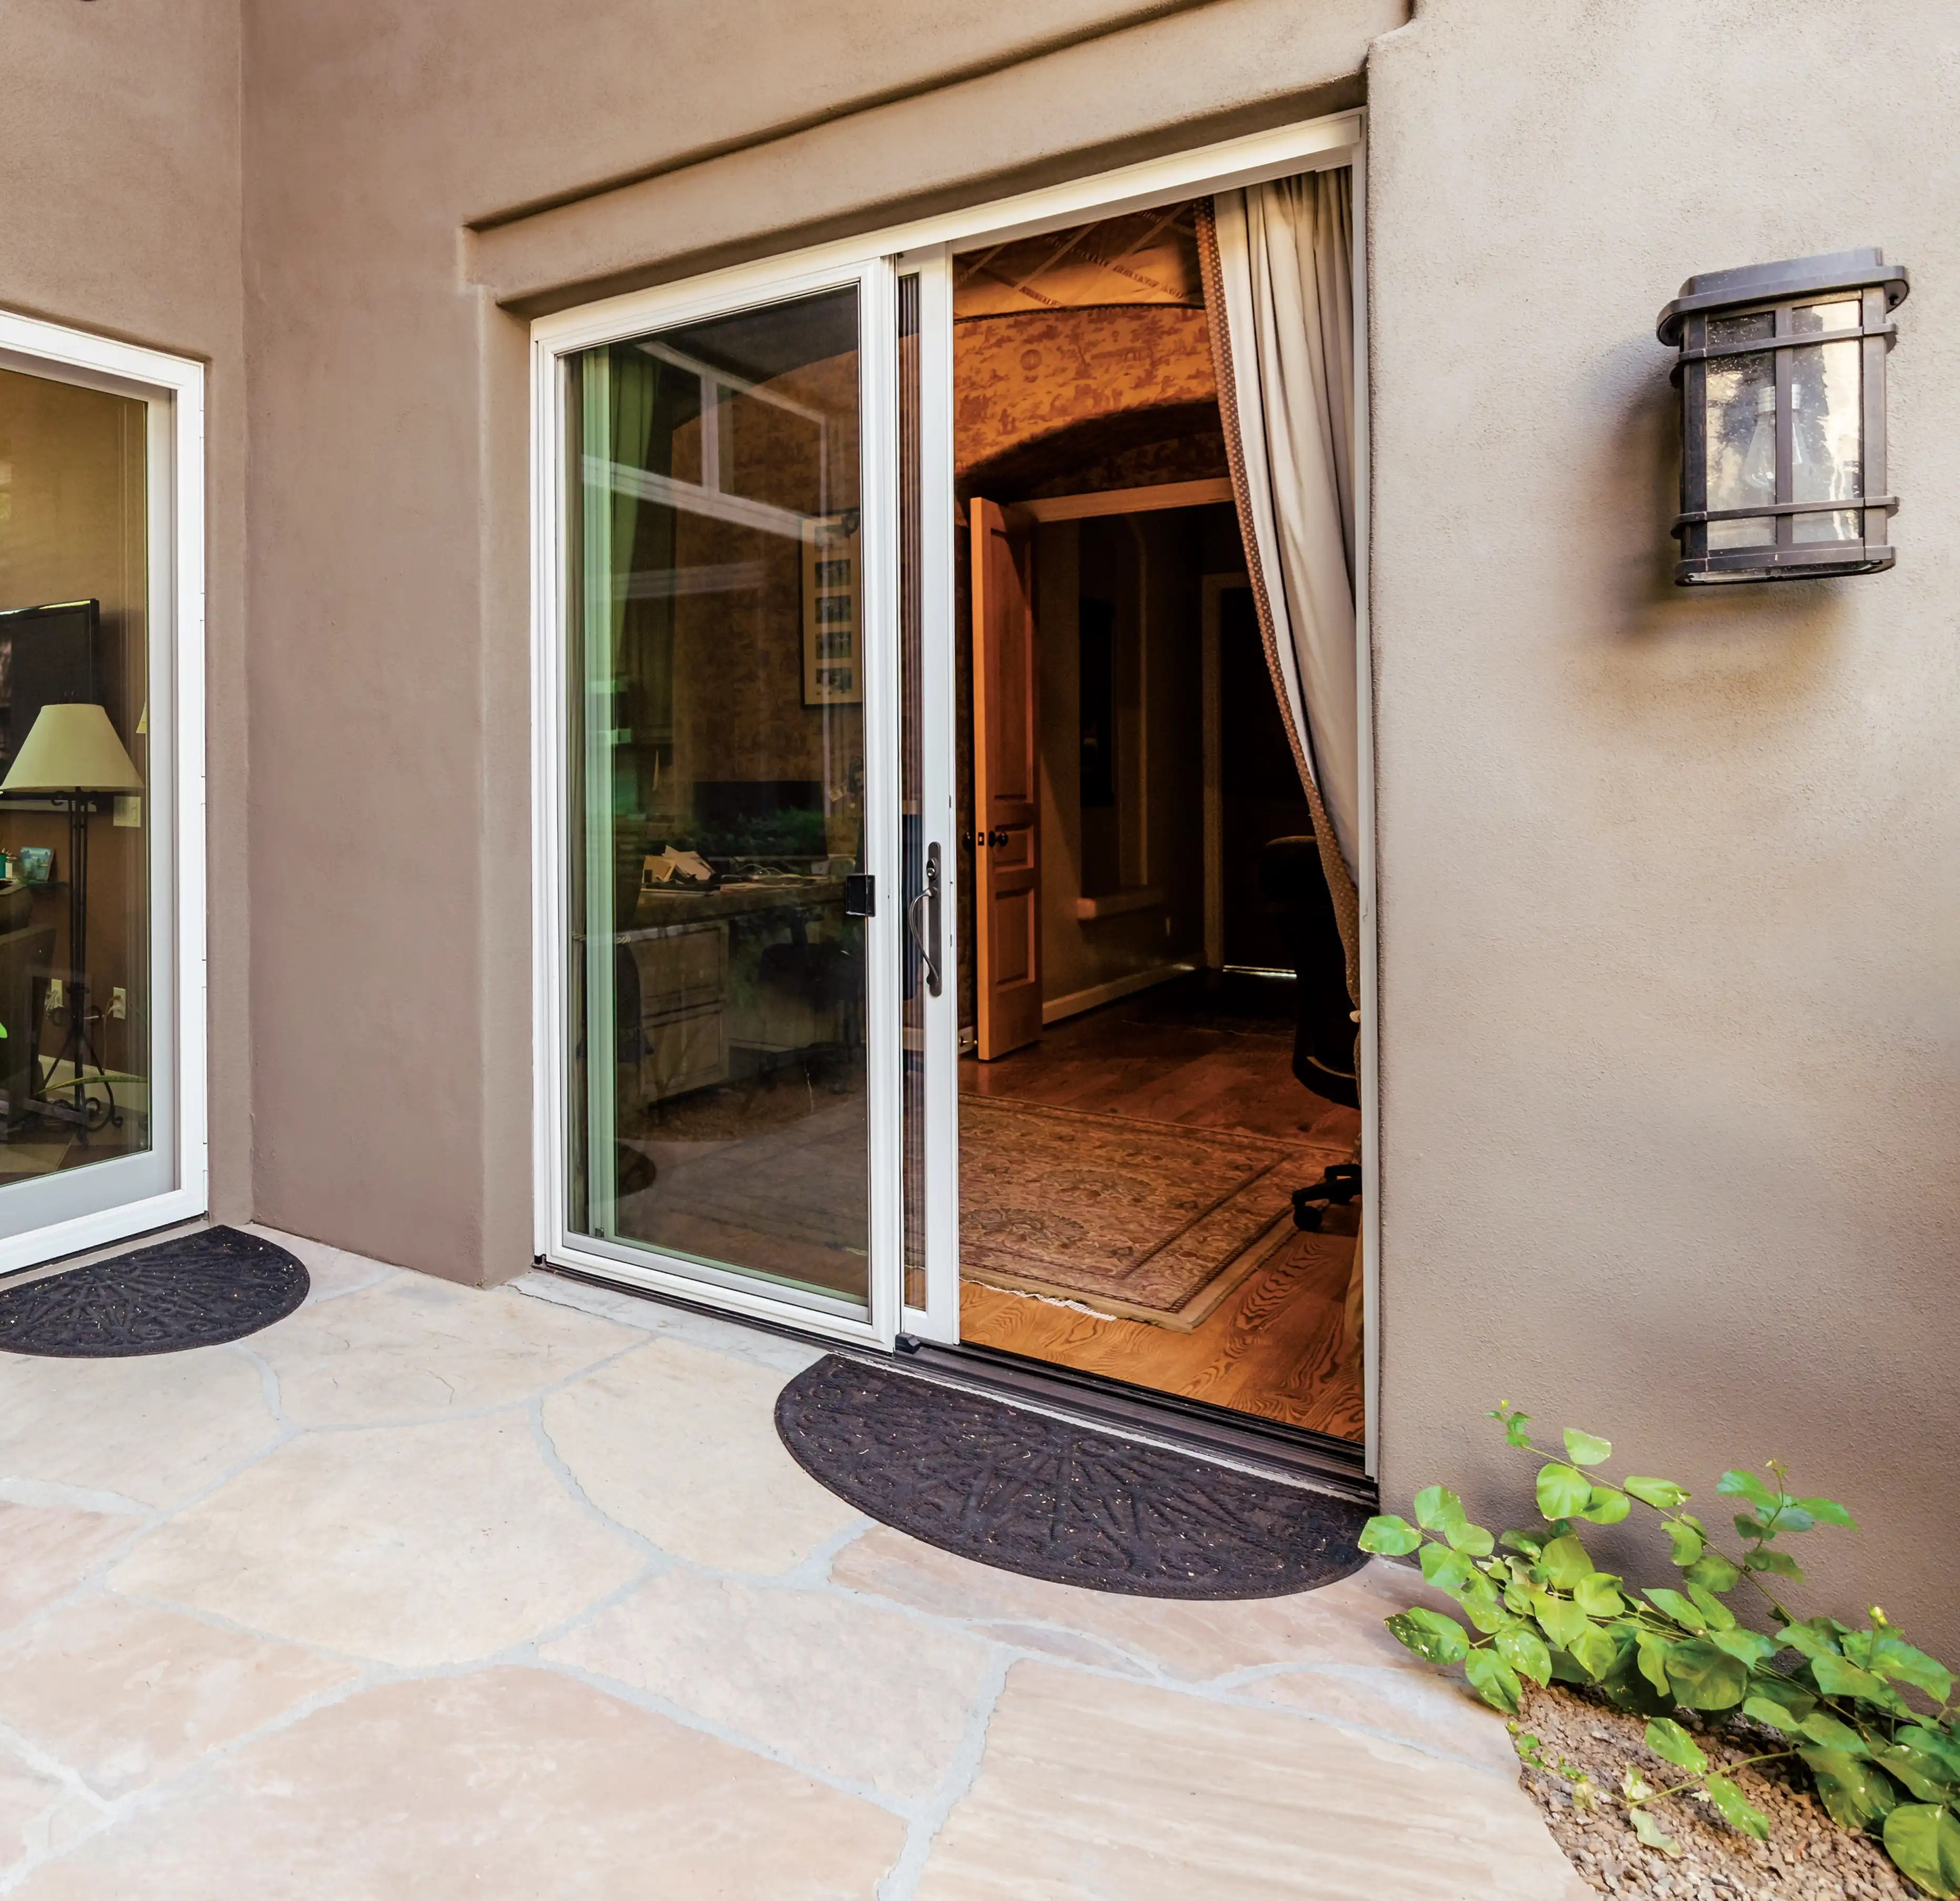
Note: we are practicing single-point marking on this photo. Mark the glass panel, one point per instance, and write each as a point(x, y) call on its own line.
point(717, 766)
point(1742, 429)
point(74, 913)
point(1827, 397)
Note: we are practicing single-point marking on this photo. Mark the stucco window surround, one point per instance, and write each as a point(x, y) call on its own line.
point(881, 262)
point(91, 1207)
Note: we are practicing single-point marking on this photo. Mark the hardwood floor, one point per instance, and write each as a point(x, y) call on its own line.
point(1210, 1060)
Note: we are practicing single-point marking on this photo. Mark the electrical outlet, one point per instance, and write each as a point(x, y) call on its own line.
point(56, 994)
point(119, 1002)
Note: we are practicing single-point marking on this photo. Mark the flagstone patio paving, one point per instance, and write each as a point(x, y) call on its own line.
point(429, 1592)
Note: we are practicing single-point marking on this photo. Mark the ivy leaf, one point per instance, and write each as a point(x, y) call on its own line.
point(1829, 1732)
point(1815, 1637)
point(1561, 1620)
point(1781, 1562)
point(1596, 1596)
point(1720, 1616)
point(1771, 1715)
point(1929, 1742)
point(1523, 1649)
point(1792, 1698)
point(1595, 1651)
point(1751, 1647)
point(1494, 1679)
point(1606, 1505)
point(1527, 1543)
point(1715, 1572)
point(1662, 1494)
point(1436, 1638)
point(1737, 1809)
point(1924, 1839)
point(1836, 1677)
point(1582, 1448)
point(1446, 1569)
point(1704, 1678)
point(1435, 1506)
point(1894, 1656)
point(1482, 1605)
point(1855, 1795)
point(1389, 1537)
point(1673, 1604)
point(1925, 1776)
point(1673, 1743)
point(1828, 1512)
point(1563, 1491)
point(1746, 1485)
point(1566, 1561)
point(1687, 1542)
point(1791, 1516)
point(1652, 1653)
point(1651, 1834)
point(1747, 1527)
point(1472, 1539)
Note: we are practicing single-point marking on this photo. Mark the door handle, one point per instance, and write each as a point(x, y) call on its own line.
point(925, 937)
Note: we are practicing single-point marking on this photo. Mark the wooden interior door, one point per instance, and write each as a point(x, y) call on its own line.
point(1006, 793)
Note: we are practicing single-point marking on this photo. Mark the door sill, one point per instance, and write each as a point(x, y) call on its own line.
point(1290, 1453)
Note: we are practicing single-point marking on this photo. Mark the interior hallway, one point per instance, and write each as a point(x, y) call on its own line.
point(431, 1590)
point(1198, 1057)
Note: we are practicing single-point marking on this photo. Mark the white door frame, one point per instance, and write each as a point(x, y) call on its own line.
point(926, 246)
point(553, 339)
point(109, 1201)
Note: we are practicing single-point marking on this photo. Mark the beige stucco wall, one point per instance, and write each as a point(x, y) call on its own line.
point(119, 205)
point(1670, 893)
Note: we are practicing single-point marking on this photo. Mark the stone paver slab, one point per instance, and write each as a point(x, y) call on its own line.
point(157, 1429)
point(1091, 1788)
point(413, 1545)
point(413, 1348)
point(505, 1785)
point(868, 1695)
point(679, 1443)
point(126, 1695)
point(46, 1550)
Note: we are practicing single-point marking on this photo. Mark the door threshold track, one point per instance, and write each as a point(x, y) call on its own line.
point(1290, 1453)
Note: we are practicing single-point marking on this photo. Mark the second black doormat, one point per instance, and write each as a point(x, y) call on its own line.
point(196, 1290)
point(1026, 1492)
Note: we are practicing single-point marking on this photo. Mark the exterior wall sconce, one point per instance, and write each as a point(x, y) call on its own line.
point(1782, 375)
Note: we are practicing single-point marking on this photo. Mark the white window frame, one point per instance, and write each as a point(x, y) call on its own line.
point(926, 246)
point(174, 389)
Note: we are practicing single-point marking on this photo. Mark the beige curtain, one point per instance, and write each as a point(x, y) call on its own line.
point(1277, 262)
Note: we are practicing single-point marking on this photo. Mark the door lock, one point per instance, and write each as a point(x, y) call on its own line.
point(861, 895)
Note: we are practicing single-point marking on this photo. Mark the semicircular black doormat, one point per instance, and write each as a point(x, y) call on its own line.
point(196, 1290)
point(1026, 1492)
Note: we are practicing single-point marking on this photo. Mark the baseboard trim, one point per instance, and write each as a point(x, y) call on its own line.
point(1076, 1002)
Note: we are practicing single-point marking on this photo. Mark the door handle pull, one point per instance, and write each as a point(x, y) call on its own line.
point(925, 936)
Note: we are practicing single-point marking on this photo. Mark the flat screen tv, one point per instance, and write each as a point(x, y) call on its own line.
point(47, 658)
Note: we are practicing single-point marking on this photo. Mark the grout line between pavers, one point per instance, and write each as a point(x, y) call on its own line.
point(901, 1881)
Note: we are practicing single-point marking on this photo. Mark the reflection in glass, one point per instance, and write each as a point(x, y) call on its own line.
point(1826, 397)
point(1742, 430)
point(716, 750)
point(75, 937)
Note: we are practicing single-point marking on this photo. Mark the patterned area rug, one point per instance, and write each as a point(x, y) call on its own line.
point(1148, 1221)
point(198, 1290)
point(1027, 1493)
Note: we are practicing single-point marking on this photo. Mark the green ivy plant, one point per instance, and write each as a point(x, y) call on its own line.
point(1871, 1718)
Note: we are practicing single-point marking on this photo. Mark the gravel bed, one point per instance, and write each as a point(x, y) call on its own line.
point(1808, 1857)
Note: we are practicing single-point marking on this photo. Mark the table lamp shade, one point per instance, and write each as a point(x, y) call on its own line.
point(73, 748)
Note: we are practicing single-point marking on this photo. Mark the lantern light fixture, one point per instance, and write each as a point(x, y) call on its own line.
point(1781, 369)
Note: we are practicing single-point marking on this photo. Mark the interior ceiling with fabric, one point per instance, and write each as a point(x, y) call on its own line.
point(1141, 257)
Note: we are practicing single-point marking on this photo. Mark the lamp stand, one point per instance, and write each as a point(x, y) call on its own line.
point(78, 1044)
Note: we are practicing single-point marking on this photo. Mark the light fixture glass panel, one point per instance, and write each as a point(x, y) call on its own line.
point(1827, 398)
point(1741, 429)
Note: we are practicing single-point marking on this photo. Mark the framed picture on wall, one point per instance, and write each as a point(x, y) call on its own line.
point(832, 613)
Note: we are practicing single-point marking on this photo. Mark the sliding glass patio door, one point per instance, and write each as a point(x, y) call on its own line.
point(724, 1012)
